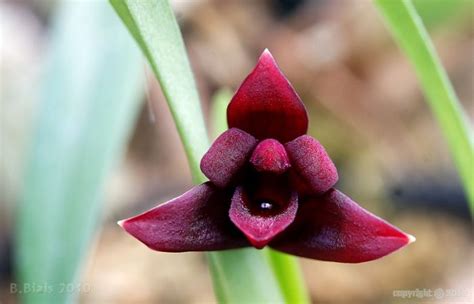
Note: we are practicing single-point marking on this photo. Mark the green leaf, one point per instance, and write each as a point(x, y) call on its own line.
point(410, 33)
point(154, 27)
point(243, 276)
point(437, 13)
point(89, 101)
point(289, 276)
point(218, 116)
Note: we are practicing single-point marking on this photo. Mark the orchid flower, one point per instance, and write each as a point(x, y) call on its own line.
point(269, 184)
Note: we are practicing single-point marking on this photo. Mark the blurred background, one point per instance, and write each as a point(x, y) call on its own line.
point(365, 107)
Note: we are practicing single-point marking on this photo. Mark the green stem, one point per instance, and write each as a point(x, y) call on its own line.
point(410, 33)
point(243, 276)
point(289, 276)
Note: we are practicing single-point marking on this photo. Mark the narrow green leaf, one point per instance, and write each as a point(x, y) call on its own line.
point(89, 100)
point(218, 118)
point(437, 13)
point(289, 276)
point(243, 276)
point(410, 33)
point(154, 27)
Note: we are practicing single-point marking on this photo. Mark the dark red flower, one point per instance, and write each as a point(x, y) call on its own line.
point(270, 184)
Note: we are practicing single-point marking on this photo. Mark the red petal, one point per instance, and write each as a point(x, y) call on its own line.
point(313, 172)
point(335, 228)
point(195, 221)
point(266, 105)
point(229, 152)
point(270, 156)
point(261, 226)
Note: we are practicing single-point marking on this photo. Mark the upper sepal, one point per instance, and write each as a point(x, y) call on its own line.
point(266, 105)
point(335, 228)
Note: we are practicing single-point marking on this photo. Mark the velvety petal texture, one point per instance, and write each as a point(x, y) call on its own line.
point(313, 170)
point(229, 152)
point(270, 184)
point(270, 156)
point(335, 228)
point(262, 218)
point(195, 221)
point(266, 105)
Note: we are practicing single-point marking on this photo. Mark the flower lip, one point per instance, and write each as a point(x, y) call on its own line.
point(261, 212)
point(266, 105)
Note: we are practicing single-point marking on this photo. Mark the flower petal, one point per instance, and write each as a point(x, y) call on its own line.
point(335, 228)
point(266, 105)
point(229, 152)
point(313, 172)
point(261, 223)
point(270, 156)
point(195, 221)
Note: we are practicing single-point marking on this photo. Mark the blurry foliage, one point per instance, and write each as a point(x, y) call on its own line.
point(435, 13)
point(412, 37)
point(89, 99)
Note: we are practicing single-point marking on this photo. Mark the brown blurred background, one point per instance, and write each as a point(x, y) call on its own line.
point(365, 107)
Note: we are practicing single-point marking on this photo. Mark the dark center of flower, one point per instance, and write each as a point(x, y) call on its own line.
point(266, 205)
point(266, 194)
